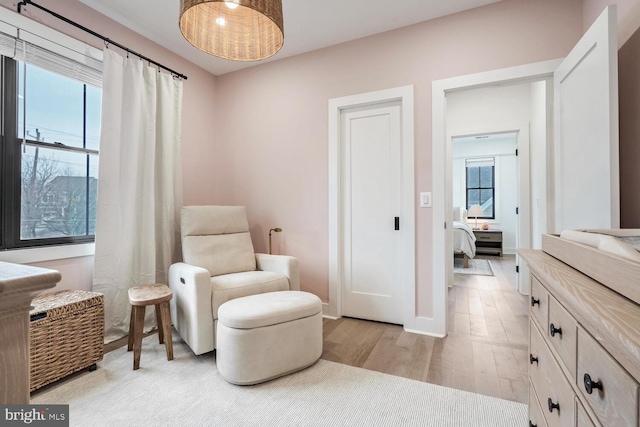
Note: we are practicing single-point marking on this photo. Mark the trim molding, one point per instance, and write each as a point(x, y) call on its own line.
point(441, 162)
point(47, 253)
point(403, 94)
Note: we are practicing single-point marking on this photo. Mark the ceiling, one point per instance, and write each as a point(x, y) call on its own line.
point(308, 24)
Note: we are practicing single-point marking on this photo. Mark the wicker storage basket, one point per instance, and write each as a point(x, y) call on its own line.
point(67, 334)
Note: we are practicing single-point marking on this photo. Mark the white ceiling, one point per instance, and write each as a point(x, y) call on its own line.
point(308, 24)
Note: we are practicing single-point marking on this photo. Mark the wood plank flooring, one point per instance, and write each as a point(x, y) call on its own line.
point(485, 351)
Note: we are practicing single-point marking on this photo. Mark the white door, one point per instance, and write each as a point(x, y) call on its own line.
point(523, 235)
point(371, 206)
point(586, 133)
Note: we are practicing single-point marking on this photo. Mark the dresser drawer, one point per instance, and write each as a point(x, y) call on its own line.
point(554, 392)
point(616, 403)
point(539, 303)
point(536, 419)
point(561, 332)
point(582, 419)
point(486, 236)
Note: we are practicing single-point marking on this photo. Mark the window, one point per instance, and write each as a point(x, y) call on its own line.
point(49, 157)
point(481, 185)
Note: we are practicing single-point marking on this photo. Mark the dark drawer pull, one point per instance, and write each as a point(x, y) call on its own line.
point(553, 406)
point(532, 424)
point(534, 301)
point(532, 359)
point(553, 330)
point(589, 384)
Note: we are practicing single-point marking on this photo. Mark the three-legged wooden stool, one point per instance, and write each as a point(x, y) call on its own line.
point(140, 297)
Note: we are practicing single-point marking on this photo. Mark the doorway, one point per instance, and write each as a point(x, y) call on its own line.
point(442, 181)
point(485, 173)
point(504, 123)
point(371, 206)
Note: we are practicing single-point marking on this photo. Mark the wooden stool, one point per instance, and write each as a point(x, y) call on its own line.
point(140, 297)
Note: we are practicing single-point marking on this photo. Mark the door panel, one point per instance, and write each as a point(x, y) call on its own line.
point(371, 201)
point(586, 133)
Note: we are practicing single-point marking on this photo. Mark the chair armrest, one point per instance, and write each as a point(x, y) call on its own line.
point(284, 264)
point(191, 305)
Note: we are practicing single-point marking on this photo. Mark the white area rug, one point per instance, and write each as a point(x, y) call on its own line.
point(188, 391)
point(477, 266)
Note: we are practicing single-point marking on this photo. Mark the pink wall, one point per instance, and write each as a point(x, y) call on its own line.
point(272, 124)
point(629, 101)
point(629, 96)
point(628, 16)
point(198, 108)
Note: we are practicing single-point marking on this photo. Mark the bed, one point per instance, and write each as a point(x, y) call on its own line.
point(464, 241)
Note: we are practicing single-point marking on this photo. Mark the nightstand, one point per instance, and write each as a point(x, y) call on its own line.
point(488, 242)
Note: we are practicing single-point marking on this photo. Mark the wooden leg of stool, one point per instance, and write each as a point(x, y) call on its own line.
point(159, 323)
point(137, 332)
point(131, 322)
point(166, 326)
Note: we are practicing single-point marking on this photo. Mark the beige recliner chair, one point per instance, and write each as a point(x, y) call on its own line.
point(220, 265)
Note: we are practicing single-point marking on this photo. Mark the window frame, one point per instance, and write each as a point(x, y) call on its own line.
point(11, 167)
point(480, 187)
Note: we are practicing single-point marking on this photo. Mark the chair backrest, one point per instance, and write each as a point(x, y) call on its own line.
point(217, 238)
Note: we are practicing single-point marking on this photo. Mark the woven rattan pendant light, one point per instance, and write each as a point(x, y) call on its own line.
point(240, 30)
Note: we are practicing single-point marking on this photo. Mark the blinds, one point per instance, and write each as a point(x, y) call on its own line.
point(35, 50)
point(7, 45)
point(475, 163)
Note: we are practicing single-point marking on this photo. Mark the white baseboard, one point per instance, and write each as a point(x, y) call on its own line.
point(325, 311)
point(413, 331)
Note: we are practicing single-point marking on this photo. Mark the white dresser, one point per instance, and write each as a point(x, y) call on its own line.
point(584, 361)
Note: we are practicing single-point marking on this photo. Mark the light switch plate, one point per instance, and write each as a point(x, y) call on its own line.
point(425, 200)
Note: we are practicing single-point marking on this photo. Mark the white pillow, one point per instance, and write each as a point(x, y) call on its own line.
point(456, 213)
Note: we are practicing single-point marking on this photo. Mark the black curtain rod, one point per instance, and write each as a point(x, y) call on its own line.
point(93, 33)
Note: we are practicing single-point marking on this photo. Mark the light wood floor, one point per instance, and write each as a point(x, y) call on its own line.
point(485, 351)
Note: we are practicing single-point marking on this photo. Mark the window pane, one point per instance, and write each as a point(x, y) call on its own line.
point(486, 201)
point(473, 177)
point(54, 107)
point(94, 104)
point(54, 194)
point(486, 176)
point(473, 198)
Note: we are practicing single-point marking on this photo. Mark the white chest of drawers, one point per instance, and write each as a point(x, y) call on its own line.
point(584, 349)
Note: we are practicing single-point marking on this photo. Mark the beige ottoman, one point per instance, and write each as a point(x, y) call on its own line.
point(265, 336)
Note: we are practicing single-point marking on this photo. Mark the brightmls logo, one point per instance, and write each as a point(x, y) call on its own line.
point(27, 417)
point(35, 415)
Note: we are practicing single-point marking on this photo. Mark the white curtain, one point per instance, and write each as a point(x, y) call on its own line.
point(139, 186)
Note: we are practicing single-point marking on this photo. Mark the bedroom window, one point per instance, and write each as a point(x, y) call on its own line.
point(49, 152)
point(480, 184)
